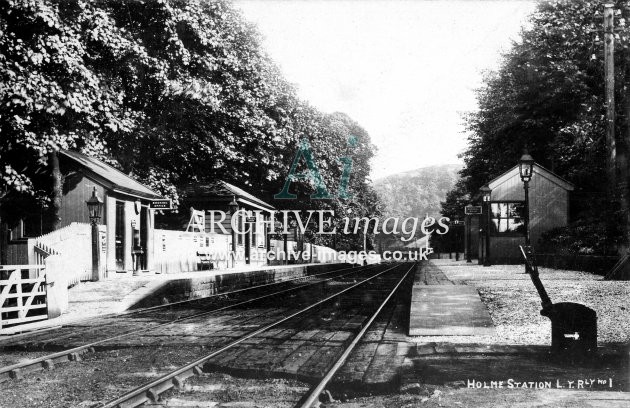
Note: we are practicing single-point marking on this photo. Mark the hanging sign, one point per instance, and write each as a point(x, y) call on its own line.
point(160, 204)
point(473, 210)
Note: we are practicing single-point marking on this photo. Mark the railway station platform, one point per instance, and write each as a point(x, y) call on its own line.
point(441, 308)
point(89, 299)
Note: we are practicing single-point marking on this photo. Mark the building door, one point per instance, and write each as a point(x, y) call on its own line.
point(144, 236)
point(248, 243)
point(120, 236)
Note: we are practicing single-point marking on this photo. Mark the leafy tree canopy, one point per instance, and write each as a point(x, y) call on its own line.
point(548, 96)
point(167, 91)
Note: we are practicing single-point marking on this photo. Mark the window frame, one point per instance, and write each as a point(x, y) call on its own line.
point(491, 217)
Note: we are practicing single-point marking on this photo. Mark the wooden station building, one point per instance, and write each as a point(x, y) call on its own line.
point(548, 209)
point(251, 241)
point(127, 220)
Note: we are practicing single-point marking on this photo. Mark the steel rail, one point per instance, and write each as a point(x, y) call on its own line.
point(74, 354)
point(314, 394)
point(151, 391)
point(152, 308)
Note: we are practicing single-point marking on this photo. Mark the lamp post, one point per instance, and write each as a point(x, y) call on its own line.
point(457, 224)
point(293, 226)
point(526, 170)
point(233, 207)
point(485, 193)
point(467, 226)
point(95, 210)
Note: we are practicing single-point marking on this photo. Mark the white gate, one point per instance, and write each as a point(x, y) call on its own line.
point(22, 294)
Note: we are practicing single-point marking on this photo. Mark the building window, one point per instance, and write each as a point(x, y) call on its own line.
point(33, 225)
point(252, 229)
point(507, 217)
point(255, 230)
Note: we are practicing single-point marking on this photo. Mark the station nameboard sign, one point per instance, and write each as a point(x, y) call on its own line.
point(473, 210)
point(161, 204)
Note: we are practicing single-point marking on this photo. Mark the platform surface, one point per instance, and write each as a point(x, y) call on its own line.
point(448, 310)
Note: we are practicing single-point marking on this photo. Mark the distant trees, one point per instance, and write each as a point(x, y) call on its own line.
point(333, 138)
point(415, 193)
point(167, 91)
point(548, 96)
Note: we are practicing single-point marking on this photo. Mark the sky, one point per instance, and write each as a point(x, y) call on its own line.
point(405, 70)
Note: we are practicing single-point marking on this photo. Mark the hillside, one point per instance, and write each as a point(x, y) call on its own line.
point(417, 192)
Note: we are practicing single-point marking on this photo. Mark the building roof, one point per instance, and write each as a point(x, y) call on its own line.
point(222, 190)
point(112, 178)
point(538, 169)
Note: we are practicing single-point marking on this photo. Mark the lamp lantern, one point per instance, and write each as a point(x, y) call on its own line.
point(233, 205)
point(526, 166)
point(95, 207)
point(526, 169)
point(485, 193)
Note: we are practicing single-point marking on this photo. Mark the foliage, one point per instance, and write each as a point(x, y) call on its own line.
point(331, 138)
point(453, 208)
point(167, 91)
point(455, 201)
point(586, 238)
point(418, 192)
point(548, 96)
point(414, 193)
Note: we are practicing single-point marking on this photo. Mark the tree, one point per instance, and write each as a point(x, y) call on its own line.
point(334, 139)
point(548, 96)
point(169, 92)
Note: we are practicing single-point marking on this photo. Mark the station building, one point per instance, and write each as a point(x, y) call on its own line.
point(129, 240)
point(549, 196)
point(251, 240)
point(127, 222)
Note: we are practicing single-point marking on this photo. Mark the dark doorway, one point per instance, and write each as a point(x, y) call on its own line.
point(248, 243)
point(120, 236)
point(144, 236)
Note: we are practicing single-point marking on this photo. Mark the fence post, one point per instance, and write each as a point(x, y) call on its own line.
point(57, 291)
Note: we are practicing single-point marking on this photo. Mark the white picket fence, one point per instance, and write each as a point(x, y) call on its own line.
point(22, 294)
point(320, 254)
point(180, 251)
point(73, 244)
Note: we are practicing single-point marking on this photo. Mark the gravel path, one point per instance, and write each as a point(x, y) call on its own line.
point(514, 305)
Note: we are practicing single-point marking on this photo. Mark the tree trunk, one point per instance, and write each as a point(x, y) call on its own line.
point(4, 242)
point(609, 72)
point(623, 165)
point(612, 196)
point(57, 192)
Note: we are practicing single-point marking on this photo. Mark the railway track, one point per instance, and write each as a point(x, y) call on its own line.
point(152, 391)
point(184, 311)
point(110, 319)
